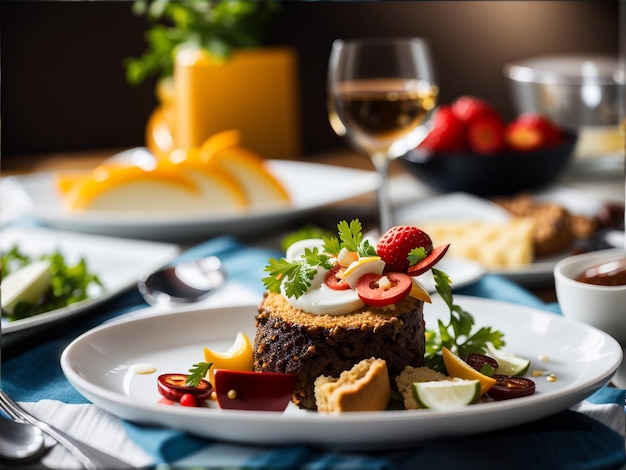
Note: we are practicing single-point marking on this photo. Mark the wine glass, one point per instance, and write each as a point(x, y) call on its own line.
point(380, 93)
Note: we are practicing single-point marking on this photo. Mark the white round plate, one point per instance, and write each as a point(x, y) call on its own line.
point(99, 362)
point(310, 185)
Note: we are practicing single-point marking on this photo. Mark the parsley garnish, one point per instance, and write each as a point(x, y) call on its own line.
point(455, 335)
point(197, 372)
point(295, 275)
point(416, 255)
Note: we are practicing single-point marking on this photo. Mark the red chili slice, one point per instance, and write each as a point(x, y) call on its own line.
point(433, 258)
point(258, 391)
point(371, 293)
point(333, 281)
point(511, 387)
point(172, 387)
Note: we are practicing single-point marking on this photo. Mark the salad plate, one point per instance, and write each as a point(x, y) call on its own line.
point(117, 262)
point(101, 365)
point(310, 185)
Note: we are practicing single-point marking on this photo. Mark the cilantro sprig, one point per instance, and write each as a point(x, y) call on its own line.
point(295, 276)
point(197, 372)
point(456, 335)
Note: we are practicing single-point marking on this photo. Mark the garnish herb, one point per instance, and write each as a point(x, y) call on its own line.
point(416, 255)
point(455, 335)
point(68, 284)
point(197, 372)
point(296, 275)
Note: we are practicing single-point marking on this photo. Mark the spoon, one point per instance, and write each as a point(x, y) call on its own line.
point(184, 283)
point(20, 442)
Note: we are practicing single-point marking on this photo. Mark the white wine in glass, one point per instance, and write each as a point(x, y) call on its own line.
point(380, 93)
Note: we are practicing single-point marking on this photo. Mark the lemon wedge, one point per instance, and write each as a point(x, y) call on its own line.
point(419, 292)
point(159, 139)
point(238, 357)
point(457, 367)
point(446, 394)
point(248, 168)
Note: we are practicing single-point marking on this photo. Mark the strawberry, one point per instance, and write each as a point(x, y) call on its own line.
point(396, 244)
point(485, 135)
point(446, 134)
point(470, 108)
point(532, 131)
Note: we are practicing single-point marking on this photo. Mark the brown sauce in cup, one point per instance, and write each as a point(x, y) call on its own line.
point(612, 273)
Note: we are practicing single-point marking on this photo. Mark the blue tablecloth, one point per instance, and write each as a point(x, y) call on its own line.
point(565, 440)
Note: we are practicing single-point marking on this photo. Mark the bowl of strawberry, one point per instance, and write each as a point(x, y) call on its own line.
point(471, 148)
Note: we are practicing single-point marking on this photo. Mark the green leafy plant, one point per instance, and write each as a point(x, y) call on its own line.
point(218, 26)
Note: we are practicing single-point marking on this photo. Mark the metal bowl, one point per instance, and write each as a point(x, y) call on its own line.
point(573, 90)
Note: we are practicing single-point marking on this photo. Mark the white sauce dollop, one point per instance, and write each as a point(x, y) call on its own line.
point(321, 299)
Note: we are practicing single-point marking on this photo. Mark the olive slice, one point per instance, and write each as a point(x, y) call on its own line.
point(172, 387)
point(479, 361)
point(507, 387)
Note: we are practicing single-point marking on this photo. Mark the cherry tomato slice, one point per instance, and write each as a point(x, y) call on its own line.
point(172, 387)
point(511, 387)
point(479, 361)
point(257, 391)
point(371, 293)
point(433, 258)
point(333, 281)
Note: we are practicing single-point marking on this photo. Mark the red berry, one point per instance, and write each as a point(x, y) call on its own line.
point(188, 400)
point(469, 108)
point(396, 244)
point(531, 131)
point(446, 134)
point(485, 135)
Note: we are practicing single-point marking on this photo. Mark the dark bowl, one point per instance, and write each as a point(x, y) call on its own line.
point(501, 174)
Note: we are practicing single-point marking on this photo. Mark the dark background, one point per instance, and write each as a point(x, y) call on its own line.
point(63, 86)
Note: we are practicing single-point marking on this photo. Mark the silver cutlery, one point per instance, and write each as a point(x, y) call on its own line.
point(89, 457)
point(184, 283)
point(20, 442)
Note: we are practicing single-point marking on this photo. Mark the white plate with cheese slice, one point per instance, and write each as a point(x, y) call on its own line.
point(463, 211)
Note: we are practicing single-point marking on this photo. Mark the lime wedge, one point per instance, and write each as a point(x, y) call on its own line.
point(446, 394)
point(508, 363)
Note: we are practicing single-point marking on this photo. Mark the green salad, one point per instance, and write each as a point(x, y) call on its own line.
point(62, 285)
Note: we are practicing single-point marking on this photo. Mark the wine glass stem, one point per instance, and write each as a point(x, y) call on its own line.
point(385, 218)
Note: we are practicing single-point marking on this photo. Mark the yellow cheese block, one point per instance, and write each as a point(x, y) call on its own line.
point(254, 91)
point(494, 244)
